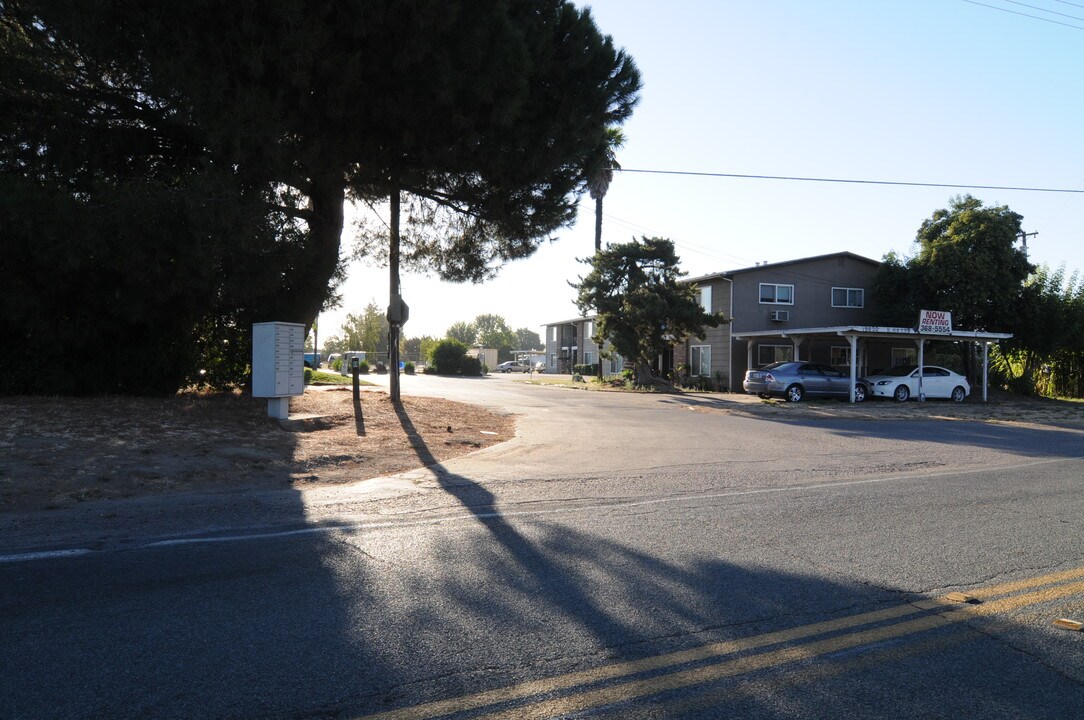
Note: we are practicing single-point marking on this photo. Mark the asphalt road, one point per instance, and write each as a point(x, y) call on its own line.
point(626, 556)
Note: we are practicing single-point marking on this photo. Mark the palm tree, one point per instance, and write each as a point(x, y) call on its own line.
point(600, 173)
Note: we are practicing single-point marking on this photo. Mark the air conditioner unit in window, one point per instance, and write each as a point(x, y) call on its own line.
point(779, 315)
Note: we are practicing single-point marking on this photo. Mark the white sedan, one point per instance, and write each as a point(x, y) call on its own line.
point(901, 383)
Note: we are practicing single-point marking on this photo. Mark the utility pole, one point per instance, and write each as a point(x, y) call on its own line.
point(395, 296)
point(1024, 239)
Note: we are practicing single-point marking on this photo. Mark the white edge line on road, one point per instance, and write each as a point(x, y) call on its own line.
point(549, 511)
point(45, 555)
point(581, 508)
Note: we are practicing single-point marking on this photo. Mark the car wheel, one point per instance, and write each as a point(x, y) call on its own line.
point(764, 396)
point(902, 393)
point(958, 394)
point(795, 393)
point(859, 393)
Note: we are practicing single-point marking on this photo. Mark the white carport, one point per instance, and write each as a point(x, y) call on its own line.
point(854, 333)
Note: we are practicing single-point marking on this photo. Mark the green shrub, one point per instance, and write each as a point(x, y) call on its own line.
point(720, 381)
point(700, 384)
point(308, 376)
point(449, 357)
point(585, 369)
point(408, 368)
point(337, 366)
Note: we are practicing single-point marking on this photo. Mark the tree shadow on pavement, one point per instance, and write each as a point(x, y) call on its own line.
point(908, 423)
point(529, 593)
point(229, 605)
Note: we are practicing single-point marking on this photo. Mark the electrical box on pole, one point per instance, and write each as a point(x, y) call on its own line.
point(398, 311)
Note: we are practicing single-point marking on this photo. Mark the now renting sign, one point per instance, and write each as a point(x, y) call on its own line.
point(934, 321)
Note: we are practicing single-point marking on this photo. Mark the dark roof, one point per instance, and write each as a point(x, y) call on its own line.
point(728, 274)
point(849, 254)
point(572, 321)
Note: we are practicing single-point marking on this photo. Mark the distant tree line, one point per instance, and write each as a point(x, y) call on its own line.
point(368, 331)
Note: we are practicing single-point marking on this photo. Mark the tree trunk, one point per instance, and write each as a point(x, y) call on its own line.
point(1031, 364)
point(394, 295)
point(644, 375)
point(306, 287)
point(598, 224)
point(967, 358)
point(598, 249)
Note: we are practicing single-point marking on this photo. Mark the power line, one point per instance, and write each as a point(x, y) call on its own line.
point(848, 181)
point(1042, 9)
point(1015, 12)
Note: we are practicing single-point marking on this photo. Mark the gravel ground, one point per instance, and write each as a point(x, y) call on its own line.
point(55, 452)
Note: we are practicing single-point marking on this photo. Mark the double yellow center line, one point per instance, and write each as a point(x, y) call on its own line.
point(1011, 596)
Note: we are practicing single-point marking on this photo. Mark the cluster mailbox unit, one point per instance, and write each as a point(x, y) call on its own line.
point(278, 364)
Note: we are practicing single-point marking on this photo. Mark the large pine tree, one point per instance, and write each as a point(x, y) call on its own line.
point(480, 112)
point(642, 306)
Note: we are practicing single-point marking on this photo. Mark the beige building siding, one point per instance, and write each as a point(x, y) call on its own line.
point(718, 338)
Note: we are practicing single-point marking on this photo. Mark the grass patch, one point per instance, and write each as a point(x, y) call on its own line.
point(332, 378)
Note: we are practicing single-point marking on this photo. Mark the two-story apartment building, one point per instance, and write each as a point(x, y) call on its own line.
point(820, 291)
point(814, 292)
point(571, 342)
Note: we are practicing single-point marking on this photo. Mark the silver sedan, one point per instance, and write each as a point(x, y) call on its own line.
point(796, 380)
point(512, 366)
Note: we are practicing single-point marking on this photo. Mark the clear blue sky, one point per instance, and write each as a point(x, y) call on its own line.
point(929, 91)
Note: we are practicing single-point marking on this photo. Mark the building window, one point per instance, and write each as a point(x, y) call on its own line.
point(617, 364)
point(700, 360)
point(848, 297)
point(841, 356)
point(553, 360)
point(772, 294)
point(768, 354)
point(553, 333)
point(705, 298)
point(904, 356)
point(588, 329)
point(588, 357)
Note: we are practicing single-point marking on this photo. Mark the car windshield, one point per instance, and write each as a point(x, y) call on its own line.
point(900, 371)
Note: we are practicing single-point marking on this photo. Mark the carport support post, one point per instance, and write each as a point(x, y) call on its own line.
point(921, 363)
point(796, 340)
point(853, 340)
point(748, 354)
point(985, 369)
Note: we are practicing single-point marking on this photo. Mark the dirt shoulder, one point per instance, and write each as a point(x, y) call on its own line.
point(1001, 407)
point(56, 452)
